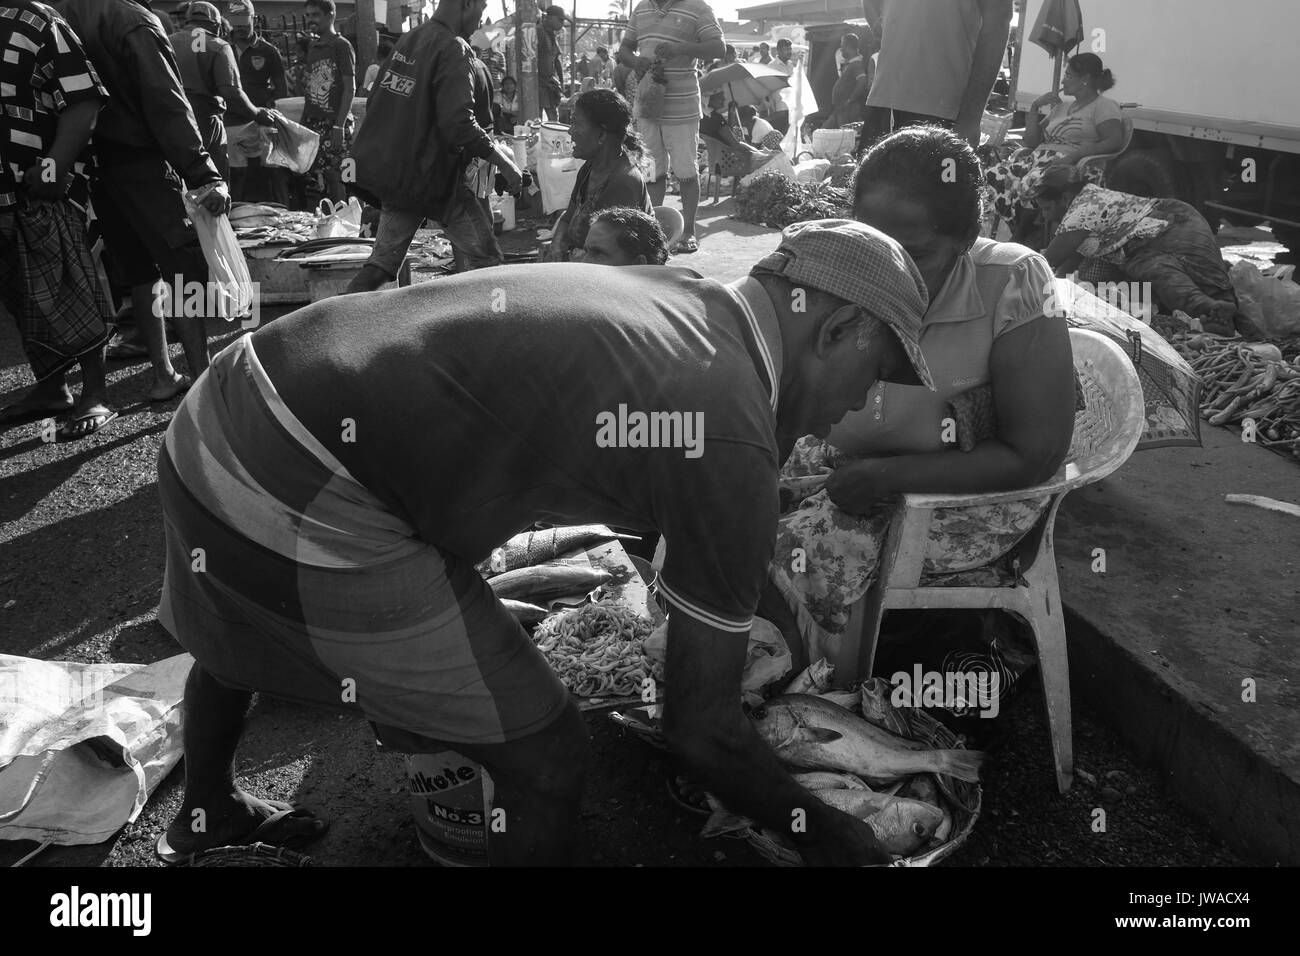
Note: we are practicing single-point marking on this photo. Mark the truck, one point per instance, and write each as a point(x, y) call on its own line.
point(1210, 88)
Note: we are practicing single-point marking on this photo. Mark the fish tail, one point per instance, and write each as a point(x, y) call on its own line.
point(962, 764)
point(723, 822)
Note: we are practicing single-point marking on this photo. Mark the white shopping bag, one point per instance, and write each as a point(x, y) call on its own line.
point(230, 287)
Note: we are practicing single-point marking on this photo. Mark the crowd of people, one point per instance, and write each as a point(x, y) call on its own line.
point(351, 552)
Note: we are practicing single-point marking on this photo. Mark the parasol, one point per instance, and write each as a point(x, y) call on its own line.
point(747, 84)
point(1171, 390)
point(1058, 30)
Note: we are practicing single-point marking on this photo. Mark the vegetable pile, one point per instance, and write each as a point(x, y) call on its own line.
point(775, 201)
point(1255, 382)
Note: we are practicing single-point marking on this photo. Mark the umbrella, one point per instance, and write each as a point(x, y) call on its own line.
point(1058, 30)
point(1171, 390)
point(747, 84)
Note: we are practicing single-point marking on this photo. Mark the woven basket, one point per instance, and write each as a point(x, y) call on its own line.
point(964, 801)
point(255, 854)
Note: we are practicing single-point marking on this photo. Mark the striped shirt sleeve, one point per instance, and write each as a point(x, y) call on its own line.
point(65, 69)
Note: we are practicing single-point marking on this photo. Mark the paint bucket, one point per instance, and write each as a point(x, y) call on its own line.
point(555, 139)
point(451, 800)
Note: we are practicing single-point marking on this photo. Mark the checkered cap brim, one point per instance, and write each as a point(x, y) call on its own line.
point(862, 265)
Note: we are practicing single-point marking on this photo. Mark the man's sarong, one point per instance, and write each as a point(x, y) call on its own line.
point(285, 575)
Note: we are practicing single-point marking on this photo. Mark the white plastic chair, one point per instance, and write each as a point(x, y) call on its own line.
point(1105, 434)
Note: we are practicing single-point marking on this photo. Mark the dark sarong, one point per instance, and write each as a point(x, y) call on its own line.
point(50, 281)
point(1183, 263)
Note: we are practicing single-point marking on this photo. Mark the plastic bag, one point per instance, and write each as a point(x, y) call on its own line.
point(292, 146)
point(1272, 304)
point(340, 220)
point(780, 163)
point(248, 141)
point(650, 97)
point(230, 287)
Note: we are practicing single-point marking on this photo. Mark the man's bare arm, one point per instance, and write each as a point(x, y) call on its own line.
point(990, 48)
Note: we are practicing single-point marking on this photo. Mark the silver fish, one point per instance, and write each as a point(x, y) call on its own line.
point(902, 826)
point(825, 780)
point(813, 734)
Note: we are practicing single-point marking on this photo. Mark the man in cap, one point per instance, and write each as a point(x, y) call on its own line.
point(210, 75)
point(147, 149)
point(424, 149)
point(550, 72)
point(395, 439)
point(261, 74)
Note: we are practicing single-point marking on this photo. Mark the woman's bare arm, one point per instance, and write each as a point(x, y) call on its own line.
point(1111, 134)
point(1031, 368)
point(1062, 253)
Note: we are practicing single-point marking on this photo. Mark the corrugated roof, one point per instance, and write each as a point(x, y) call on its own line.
point(799, 11)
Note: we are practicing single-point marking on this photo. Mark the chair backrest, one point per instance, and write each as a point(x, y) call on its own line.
point(715, 147)
point(1108, 430)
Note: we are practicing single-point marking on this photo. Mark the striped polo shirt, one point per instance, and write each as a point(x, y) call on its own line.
point(674, 21)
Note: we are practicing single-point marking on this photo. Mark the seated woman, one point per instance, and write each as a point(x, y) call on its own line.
point(1092, 125)
point(623, 237)
point(986, 327)
point(1162, 241)
point(758, 131)
point(608, 178)
point(507, 99)
point(716, 126)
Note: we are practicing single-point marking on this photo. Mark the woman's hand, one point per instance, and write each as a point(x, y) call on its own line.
point(1047, 99)
point(855, 487)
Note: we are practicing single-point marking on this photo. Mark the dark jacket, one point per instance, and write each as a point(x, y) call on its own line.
point(420, 127)
point(147, 112)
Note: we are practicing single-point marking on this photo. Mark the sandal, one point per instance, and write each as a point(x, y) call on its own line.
point(289, 827)
point(687, 245)
point(75, 428)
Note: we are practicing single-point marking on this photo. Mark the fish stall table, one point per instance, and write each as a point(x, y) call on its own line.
point(628, 588)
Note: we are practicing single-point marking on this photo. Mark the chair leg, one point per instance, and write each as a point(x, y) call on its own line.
point(857, 654)
point(1047, 622)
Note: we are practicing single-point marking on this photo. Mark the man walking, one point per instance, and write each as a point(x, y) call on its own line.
point(50, 281)
point(147, 150)
point(424, 152)
point(938, 62)
point(331, 82)
point(678, 32)
point(210, 75)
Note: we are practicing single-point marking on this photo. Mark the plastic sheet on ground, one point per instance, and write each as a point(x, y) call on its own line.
point(83, 745)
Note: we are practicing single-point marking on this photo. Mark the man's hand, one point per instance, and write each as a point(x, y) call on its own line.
point(215, 198)
point(855, 487)
point(504, 161)
point(38, 185)
point(845, 841)
point(264, 117)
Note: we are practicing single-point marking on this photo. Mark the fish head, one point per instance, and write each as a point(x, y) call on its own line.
point(775, 723)
point(907, 825)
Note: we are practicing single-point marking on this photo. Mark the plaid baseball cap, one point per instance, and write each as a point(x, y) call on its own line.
point(241, 13)
point(861, 265)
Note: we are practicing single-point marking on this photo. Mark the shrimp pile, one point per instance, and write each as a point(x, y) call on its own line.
point(597, 649)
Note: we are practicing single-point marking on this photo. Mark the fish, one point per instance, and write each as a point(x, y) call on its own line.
point(809, 733)
point(536, 547)
point(921, 787)
point(902, 826)
point(848, 699)
point(524, 612)
point(813, 679)
point(875, 707)
point(543, 581)
point(825, 780)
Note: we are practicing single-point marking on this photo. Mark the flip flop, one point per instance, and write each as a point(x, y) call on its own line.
point(289, 827)
point(687, 245)
point(11, 416)
point(65, 431)
point(182, 387)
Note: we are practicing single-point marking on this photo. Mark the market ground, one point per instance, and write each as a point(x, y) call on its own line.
point(80, 580)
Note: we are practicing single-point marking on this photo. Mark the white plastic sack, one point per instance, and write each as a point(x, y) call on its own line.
point(556, 177)
point(230, 287)
point(247, 141)
point(83, 745)
point(292, 146)
point(1272, 304)
point(779, 163)
point(812, 170)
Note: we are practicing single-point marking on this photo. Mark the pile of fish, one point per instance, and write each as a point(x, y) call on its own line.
point(853, 751)
point(258, 224)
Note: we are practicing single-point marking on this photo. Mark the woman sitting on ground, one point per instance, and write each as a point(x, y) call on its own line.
point(1162, 241)
point(987, 331)
point(1091, 125)
point(623, 237)
point(609, 177)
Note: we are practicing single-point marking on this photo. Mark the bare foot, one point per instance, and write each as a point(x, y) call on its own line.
point(232, 821)
point(166, 391)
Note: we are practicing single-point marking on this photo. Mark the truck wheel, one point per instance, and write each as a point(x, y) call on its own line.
point(1143, 172)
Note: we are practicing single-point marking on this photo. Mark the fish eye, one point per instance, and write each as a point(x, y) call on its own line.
point(918, 829)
